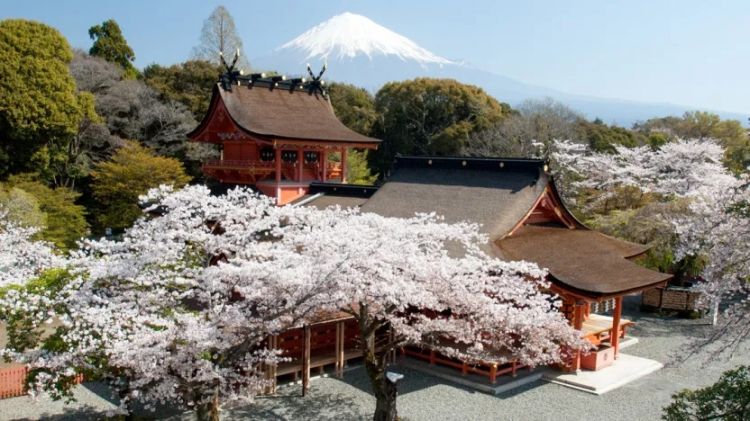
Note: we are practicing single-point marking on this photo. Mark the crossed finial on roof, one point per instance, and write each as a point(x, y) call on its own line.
point(229, 67)
point(231, 75)
point(316, 84)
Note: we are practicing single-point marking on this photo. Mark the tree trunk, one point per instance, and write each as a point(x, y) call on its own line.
point(385, 404)
point(384, 390)
point(209, 411)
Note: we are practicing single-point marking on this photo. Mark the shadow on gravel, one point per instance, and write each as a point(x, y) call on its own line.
point(651, 324)
point(72, 414)
point(416, 381)
point(318, 405)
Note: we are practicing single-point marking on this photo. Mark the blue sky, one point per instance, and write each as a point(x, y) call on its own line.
point(688, 52)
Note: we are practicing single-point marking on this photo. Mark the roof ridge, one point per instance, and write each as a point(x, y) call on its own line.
point(341, 189)
point(471, 163)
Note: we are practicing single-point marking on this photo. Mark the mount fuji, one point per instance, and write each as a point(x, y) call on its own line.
point(361, 52)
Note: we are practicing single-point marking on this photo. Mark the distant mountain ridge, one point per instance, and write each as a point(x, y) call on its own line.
point(363, 53)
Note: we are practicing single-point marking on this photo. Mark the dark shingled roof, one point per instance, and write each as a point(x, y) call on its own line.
point(346, 202)
point(324, 195)
point(584, 260)
point(287, 113)
point(480, 191)
point(499, 193)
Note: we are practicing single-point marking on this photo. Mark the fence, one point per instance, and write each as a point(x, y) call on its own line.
point(13, 380)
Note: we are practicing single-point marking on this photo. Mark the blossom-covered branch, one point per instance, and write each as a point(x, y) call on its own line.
point(21, 257)
point(179, 309)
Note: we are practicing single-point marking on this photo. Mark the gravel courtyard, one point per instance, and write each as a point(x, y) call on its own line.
point(423, 397)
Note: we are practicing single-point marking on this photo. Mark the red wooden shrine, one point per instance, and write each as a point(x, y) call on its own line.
point(282, 137)
point(277, 135)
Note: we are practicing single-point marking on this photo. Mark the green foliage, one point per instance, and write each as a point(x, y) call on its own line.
point(64, 164)
point(39, 105)
point(646, 219)
point(110, 44)
point(604, 138)
point(728, 399)
point(704, 125)
point(133, 170)
point(189, 83)
point(50, 281)
point(66, 221)
point(22, 207)
point(430, 117)
point(21, 330)
point(357, 169)
point(657, 140)
point(354, 106)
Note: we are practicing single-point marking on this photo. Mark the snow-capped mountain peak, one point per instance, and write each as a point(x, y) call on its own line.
point(349, 35)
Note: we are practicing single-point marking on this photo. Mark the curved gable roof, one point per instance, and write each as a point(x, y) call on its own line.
point(283, 112)
point(587, 261)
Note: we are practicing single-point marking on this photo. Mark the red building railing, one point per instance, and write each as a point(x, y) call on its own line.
point(13, 380)
point(237, 164)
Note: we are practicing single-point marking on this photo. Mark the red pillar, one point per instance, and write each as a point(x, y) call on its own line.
point(306, 360)
point(300, 161)
point(343, 165)
point(278, 174)
point(324, 163)
point(578, 325)
point(614, 336)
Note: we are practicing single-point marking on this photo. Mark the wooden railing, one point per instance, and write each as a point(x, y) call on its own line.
point(243, 164)
point(231, 163)
point(490, 370)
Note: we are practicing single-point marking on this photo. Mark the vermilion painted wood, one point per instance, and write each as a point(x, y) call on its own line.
point(13, 380)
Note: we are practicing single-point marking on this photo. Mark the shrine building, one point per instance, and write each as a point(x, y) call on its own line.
point(276, 135)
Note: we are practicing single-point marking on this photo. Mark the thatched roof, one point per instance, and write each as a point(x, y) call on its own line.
point(283, 112)
point(589, 262)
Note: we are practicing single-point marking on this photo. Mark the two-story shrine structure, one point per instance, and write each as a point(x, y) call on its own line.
point(276, 134)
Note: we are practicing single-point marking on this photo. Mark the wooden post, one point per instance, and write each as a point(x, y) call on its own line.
point(300, 163)
point(343, 165)
point(324, 163)
point(578, 324)
point(306, 361)
point(614, 335)
point(278, 174)
point(392, 339)
point(271, 370)
point(340, 329)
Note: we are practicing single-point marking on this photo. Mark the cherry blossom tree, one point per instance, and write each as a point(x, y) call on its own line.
point(684, 168)
point(21, 257)
point(178, 311)
point(716, 226)
point(719, 229)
